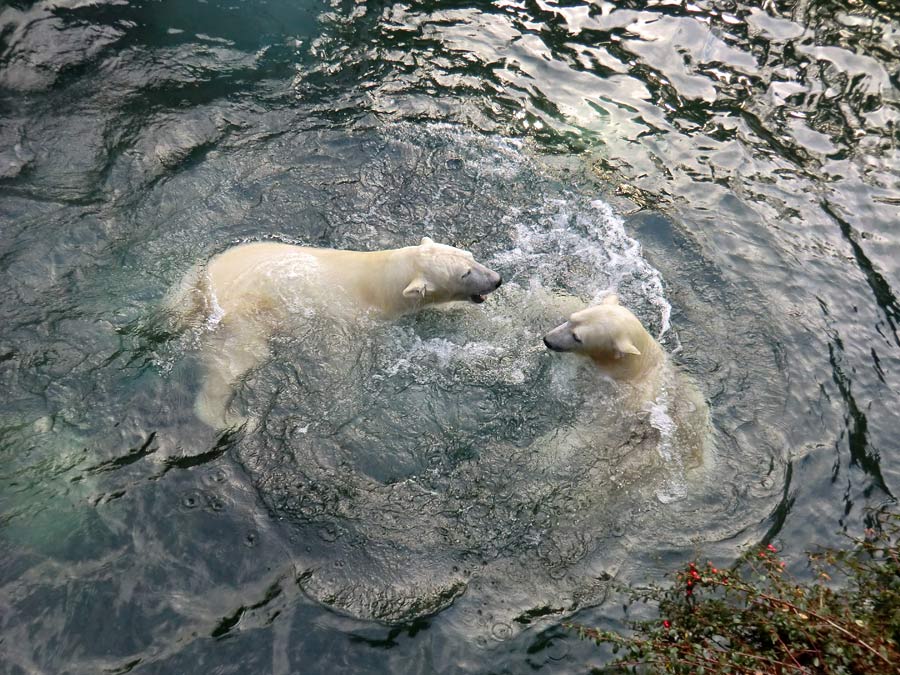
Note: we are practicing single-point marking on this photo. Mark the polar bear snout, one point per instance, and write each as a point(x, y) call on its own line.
point(560, 339)
point(483, 280)
point(488, 278)
point(551, 346)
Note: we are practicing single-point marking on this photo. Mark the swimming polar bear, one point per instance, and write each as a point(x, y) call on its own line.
point(250, 291)
point(616, 341)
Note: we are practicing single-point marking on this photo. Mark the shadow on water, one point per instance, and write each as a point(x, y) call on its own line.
point(424, 491)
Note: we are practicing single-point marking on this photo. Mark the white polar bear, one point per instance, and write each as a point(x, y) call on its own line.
point(616, 341)
point(249, 291)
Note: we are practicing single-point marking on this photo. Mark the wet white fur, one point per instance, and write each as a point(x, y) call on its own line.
point(616, 341)
point(249, 291)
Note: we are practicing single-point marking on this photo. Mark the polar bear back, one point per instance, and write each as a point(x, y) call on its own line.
point(271, 277)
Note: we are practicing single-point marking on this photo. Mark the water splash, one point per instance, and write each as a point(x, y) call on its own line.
point(453, 436)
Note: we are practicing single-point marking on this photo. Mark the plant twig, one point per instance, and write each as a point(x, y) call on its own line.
point(831, 623)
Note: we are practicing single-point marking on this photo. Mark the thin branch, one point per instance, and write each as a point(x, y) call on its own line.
point(824, 619)
point(788, 651)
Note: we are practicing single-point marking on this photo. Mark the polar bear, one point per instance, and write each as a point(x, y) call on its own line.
point(613, 338)
point(616, 341)
point(250, 291)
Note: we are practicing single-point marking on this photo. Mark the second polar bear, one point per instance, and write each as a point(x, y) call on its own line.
point(616, 341)
point(249, 291)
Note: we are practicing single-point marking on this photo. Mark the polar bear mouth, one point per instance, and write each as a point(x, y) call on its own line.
point(477, 299)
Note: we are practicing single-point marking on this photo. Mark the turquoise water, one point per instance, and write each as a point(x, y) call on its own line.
point(420, 495)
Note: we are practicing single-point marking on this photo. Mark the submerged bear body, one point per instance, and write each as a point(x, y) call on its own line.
point(263, 276)
point(251, 291)
point(622, 349)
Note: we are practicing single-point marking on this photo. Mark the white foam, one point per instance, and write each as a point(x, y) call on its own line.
point(217, 313)
point(442, 353)
point(581, 248)
point(675, 486)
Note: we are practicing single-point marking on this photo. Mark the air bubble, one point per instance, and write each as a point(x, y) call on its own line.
point(328, 533)
point(215, 503)
point(558, 650)
point(191, 501)
point(501, 631)
point(557, 573)
point(218, 476)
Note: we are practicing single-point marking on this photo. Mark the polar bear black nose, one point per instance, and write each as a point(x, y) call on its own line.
point(499, 282)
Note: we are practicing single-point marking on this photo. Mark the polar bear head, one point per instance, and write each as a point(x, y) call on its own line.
point(611, 335)
point(443, 273)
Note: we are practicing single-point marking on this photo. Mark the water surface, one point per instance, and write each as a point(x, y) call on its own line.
point(420, 495)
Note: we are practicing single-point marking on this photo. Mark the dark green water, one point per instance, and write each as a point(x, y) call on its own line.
point(731, 170)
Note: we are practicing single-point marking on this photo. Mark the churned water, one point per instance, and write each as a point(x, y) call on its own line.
point(437, 493)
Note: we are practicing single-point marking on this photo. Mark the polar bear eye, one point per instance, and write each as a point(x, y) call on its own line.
point(468, 272)
point(575, 337)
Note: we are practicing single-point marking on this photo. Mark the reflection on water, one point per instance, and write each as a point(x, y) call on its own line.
point(752, 151)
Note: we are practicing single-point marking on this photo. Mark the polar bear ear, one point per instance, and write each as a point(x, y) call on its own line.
point(580, 315)
point(417, 288)
point(426, 241)
point(611, 299)
point(626, 346)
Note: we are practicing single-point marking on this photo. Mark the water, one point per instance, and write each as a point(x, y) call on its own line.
point(430, 494)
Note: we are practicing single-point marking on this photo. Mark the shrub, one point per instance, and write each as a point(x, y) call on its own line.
point(755, 618)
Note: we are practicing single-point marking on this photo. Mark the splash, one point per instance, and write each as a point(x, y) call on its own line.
point(451, 444)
